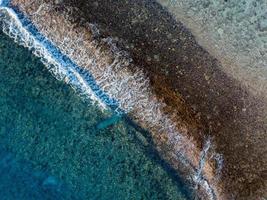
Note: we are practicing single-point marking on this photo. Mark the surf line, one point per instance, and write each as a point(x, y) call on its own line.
point(15, 24)
point(21, 29)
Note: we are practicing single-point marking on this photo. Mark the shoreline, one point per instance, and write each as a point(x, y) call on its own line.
point(202, 179)
point(182, 138)
point(177, 65)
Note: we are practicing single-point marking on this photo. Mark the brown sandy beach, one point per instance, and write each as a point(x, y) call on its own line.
point(199, 98)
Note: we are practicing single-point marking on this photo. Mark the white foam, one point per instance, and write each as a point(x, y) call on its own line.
point(202, 161)
point(131, 90)
point(13, 27)
point(199, 177)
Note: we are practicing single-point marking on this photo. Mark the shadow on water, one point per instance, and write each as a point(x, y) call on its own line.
point(153, 153)
point(148, 147)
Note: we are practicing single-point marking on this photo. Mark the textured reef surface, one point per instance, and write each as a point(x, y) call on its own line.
point(170, 68)
point(51, 148)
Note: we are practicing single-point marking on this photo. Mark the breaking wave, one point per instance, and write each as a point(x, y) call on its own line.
point(111, 86)
point(24, 33)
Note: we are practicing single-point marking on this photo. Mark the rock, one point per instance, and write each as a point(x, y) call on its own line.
point(263, 25)
point(50, 181)
point(58, 1)
point(220, 31)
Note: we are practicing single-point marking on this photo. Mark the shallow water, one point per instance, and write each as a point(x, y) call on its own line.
point(51, 147)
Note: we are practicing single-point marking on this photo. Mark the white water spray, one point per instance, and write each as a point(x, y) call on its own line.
point(132, 90)
point(13, 27)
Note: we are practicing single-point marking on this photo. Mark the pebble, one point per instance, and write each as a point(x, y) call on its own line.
point(58, 1)
point(263, 25)
point(220, 31)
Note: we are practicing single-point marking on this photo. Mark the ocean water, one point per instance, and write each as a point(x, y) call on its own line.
point(54, 145)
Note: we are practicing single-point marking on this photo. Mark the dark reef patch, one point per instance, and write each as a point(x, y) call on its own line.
point(176, 63)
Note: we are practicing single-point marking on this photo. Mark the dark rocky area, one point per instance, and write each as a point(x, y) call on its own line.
point(179, 67)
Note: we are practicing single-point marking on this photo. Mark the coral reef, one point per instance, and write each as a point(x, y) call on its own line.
point(150, 67)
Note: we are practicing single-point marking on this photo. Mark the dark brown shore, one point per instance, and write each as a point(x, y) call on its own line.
point(184, 75)
point(165, 48)
point(235, 119)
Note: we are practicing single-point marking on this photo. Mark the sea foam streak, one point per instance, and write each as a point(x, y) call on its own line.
point(112, 86)
point(60, 66)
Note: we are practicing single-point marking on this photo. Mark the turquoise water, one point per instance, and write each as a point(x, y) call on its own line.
point(54, 145)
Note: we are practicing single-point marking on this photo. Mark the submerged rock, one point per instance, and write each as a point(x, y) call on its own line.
point(202, 120)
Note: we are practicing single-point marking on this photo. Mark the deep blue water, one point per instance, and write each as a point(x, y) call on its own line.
point(53, 144)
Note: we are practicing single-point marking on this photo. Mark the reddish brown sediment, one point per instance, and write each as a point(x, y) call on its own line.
point(200, 99)
point(235, 118)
